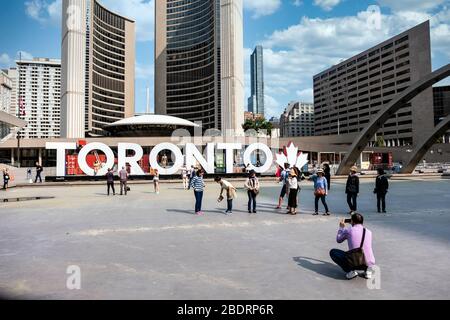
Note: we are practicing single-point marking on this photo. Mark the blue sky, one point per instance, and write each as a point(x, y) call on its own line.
point(300, 37)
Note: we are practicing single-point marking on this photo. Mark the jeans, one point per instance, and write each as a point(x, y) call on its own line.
point(38, 176)
point(198, 201)
point(338, 256)
point(381, 201)
point(251, 201)
point(351, 200)
point(123, 185)
point(324, 202)
point(230, 205)
point(111, 186)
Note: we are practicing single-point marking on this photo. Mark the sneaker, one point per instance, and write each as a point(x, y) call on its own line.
point(327, 214)
point(368, 274)
point(255, 212)
point(315, 214)
point(351, 213)
point(384, 211)
point(351, 275)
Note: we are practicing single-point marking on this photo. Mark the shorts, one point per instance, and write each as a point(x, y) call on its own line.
point(283, 191)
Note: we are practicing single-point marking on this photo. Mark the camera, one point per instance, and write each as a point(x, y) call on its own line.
point(348, 221)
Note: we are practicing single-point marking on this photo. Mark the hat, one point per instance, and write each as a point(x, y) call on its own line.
point(320, 171)
point(354, 169)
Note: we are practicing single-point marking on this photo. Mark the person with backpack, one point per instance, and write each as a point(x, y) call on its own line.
point(381, 189)
point(39, 170)
point(352, 190)
point(198, 185)
point(359, 260)
point(252, 186)
point(320, 192)
point(284, 180)
point(230, 190)
point(6, 178)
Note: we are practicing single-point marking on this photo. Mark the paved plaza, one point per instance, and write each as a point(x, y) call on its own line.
point(148, 246)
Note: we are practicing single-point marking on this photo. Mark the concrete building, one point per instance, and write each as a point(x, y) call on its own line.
point(6, 87)
point(297, 120)
point(39, 97)
point(347, 95)
point(98, 69)
point(441, 97)
point(252, 116)
point(256, 100)
point(199, 73)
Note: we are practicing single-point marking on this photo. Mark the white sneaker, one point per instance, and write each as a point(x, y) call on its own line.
point(351, 275)
point(368, 274)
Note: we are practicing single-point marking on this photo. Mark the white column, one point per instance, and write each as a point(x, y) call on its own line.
point(232, 66)
point(73, 62)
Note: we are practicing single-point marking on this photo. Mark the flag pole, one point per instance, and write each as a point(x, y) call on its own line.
point(19, 110)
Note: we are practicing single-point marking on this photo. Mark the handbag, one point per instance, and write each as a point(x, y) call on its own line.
point(320, 192)
point(356, 257)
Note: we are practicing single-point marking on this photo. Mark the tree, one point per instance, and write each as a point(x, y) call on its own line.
point(258, 125)
point(380, 142)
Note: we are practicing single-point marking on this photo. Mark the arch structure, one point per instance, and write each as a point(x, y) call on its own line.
point(383, 115)
point(421, 150)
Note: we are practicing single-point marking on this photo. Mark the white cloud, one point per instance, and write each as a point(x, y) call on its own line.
point(292, 56)
point(416, 5)
point(261, 8)
point(297, 3)
point(43, 11)
point(5, 60)
point(327, 5)
point(142, 11)
point(24, 55)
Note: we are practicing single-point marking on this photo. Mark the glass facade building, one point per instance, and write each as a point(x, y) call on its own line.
point(256, 100)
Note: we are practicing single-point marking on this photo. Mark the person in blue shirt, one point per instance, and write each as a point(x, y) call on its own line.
point(320, 191)
point(198, 185)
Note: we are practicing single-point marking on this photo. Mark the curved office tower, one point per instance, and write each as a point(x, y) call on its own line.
point(111, 68)
point(98, 64)
point(188, 67)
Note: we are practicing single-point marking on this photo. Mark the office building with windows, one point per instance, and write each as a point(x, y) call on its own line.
point(256, 100)
point(347, 95)
point(441, 96)
point(98, 55)
point(199, 62)
point(297, 120)
point(6, 87)
point(39, 97)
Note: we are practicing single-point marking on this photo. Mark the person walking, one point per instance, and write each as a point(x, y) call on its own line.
point(230, 191)
point(327, 174)
point(198, 185)
point(352, 190)
point(156, 181)
point(6, 178)
point(381, 189)
point(39, 170)
point(358, 237)
point(123, 175)
point(252, 186)
point(320, 191)
point(284, 190)
point(110, 182)
point(293, 192)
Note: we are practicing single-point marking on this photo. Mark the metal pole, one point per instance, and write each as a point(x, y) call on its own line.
point(20, 112)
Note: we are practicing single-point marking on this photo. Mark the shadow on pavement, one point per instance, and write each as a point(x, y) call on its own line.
point(321, 267)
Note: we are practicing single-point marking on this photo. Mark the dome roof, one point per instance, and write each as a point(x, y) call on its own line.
point(154, 119)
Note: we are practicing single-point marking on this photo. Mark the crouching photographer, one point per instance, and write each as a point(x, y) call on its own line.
point(359, 260)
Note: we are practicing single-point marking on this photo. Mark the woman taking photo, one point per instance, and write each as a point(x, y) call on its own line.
point(320, 191)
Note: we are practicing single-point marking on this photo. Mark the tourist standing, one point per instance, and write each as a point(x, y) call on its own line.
point(156, 181)
point(123, 175)
point(357, 237)
point(198, 185)
point(39, 170)
point(283, 179)
point(185, 177)
point(327, 174)
point(230, 192)
point(352, 190)
point(252, 186)
point(293, 192)
point(320, 191)
point(191, 176)
point(6, 178)
point(381, 189)
point(110, 181)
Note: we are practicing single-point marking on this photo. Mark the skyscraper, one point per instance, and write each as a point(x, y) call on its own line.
point(199, 62)
point(256, 100)
point(99, 65)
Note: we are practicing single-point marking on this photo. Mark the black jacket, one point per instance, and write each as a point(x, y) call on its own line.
point(381, 184)
point(352, 184)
